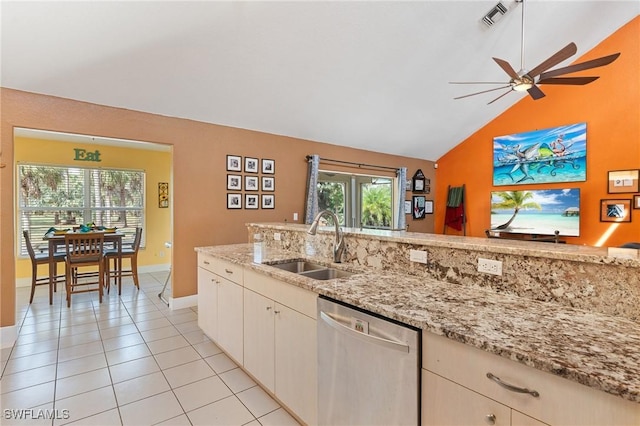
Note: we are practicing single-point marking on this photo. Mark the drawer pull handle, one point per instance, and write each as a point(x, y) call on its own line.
point(228, 271)
point(268, 308)
point(512, 388)
point(491, 419)
point(206, 263)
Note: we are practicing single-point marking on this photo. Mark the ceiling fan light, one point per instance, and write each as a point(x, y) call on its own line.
point(522, 87)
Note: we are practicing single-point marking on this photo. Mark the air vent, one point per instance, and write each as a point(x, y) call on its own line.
point(495, 14)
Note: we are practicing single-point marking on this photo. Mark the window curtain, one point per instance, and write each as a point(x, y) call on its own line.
point(311, 205)
point(401, 217)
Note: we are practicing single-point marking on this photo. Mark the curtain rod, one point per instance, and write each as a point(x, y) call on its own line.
point(354, 164)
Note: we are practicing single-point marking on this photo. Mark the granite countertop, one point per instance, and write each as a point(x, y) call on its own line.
point(596, 350)
point(572, 252)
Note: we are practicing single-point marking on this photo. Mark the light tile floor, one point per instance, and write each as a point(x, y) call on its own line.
point(127, 361)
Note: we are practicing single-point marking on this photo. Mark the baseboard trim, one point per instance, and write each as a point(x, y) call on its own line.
point(8, 336)
point(182, 302)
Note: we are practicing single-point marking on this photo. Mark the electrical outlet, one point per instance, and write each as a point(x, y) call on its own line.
point(276, 236)
point(418, 256)
point(295, 216)
point(488, 266)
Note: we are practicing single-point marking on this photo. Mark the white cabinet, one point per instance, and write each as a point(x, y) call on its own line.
point(220, 306)
point(464, 369)
point(280, 341)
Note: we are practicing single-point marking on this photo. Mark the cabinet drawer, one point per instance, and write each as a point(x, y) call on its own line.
point(299, 299)
point(560, 401)
point(228, 270)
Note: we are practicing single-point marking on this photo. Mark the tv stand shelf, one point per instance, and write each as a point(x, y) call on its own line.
point(492, 233)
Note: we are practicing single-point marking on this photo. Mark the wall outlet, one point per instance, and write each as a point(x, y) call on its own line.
point(295, 216)
point(419, 256)
point(488, 266)
point(276, 236)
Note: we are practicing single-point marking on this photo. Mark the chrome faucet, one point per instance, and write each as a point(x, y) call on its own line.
point(338, 245)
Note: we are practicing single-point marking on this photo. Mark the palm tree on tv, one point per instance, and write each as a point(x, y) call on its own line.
point(516, 200)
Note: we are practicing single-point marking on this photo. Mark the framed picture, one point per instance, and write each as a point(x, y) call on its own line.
point(557, 154)
point(234, 201)
point(250, 165)
point(407, 207)
point(234, 182)
point(268, 183)
point(636, 201)
point(418, 204)
point(623, 181)
point(615, 210)
point(428, 207)
point(163, 195)
point(268, 166)
point(419, 181)
point(251, 183)
point(268, 201)
point(250, 201)
point(234, 163)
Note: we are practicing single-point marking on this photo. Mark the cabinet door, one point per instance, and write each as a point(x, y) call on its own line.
point(447, 403)
point(296, 362)
point(208, 303)
point(519, 419)
point(259, 338)
point(230, 318)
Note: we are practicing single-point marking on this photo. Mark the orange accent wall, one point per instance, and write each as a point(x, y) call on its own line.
point(611, 108)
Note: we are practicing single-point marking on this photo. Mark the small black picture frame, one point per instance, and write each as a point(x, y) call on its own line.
point(234, 163)
point(251, 201)
point(234, 182)
point(418, 203)
point(251, 183)
point(268, 184)
point(268, 166)
point(268, 201)
point(250, 165)
point(234, 201)
point(419, 182)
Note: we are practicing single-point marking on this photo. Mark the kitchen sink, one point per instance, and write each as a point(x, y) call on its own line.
point(312, 270)
point(326, 274)
point(298, 266)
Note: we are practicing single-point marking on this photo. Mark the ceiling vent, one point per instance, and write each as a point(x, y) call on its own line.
point(495, 14)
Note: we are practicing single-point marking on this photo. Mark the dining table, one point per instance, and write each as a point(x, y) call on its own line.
point(56, 239)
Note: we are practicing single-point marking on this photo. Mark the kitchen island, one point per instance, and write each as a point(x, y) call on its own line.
point(595, 349)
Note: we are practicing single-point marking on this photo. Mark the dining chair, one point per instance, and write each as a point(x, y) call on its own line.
point(43, 259)
point(129, 252)
point(84, 250)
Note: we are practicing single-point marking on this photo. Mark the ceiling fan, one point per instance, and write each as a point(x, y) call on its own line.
point(528, 80)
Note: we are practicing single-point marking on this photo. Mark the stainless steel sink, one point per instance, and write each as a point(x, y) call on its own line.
point(326, 274)
point(298, 266)
point(312, 270)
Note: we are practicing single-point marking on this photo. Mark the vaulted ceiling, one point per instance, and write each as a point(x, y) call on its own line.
point(370, 75)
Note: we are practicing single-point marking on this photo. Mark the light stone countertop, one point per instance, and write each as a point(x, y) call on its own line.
point(596, 350)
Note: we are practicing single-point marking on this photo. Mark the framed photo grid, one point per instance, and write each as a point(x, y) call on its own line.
point(247, 178)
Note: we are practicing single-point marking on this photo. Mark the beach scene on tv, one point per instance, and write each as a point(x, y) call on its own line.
point(538, 212)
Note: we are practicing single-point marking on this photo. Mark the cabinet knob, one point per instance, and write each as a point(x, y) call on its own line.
point(491, 419)
point(276, 312)
point(269, 308)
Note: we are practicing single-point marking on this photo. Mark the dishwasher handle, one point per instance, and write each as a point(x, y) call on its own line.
point(366, 337)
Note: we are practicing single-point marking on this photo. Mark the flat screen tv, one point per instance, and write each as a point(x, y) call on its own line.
point(536, 212)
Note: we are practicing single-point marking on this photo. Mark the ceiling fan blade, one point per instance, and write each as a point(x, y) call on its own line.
point(562, 54)
point(535, 92)
point(505, 93)
point(484, 91)
point(506, 67)
point(476, 82)
point(594, 63)
point(575, 81)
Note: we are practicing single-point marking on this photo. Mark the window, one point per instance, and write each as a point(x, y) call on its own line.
point(64, 197)
point(358, 201)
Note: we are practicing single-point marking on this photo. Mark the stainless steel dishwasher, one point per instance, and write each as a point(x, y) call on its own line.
point(368, 368)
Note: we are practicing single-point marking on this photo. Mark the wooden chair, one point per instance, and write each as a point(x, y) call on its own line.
point(84, 250)
point(43, 259)
point(130, 253)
